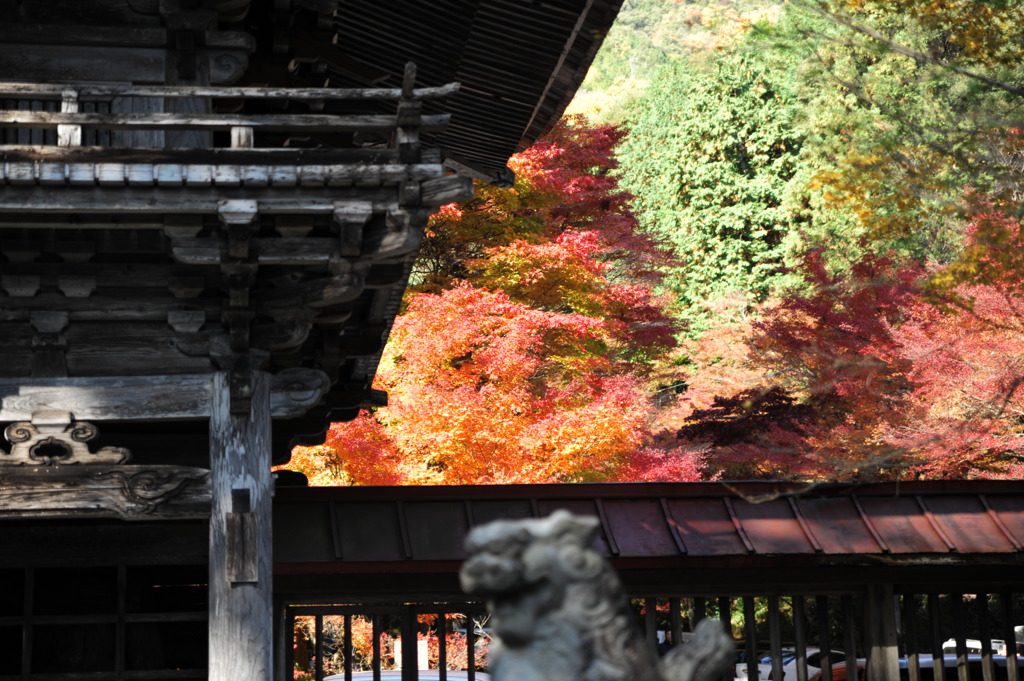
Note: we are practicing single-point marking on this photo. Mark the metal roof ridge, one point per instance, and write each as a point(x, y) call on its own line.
point(871, 527)
point(930, 517)
point(999, 523)
point(673, 526)
point(738, 525)
point(798, 514)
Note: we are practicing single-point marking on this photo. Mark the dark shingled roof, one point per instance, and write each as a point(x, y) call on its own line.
point(401, 524)
point(662, 537)
point(519, 63)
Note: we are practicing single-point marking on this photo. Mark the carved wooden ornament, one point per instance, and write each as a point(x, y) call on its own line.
point(51, 472)
point(55, 439)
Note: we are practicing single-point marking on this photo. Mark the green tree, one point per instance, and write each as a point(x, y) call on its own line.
point(710, 162)
point(907, 104)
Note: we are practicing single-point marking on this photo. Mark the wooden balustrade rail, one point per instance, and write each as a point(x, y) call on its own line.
point(164, 121)
point(70, 121)
point(58, 91)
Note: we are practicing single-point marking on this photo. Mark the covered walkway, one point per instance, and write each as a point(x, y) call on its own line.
point(883, 570)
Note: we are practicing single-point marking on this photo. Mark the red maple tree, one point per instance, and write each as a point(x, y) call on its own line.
point(526, 353)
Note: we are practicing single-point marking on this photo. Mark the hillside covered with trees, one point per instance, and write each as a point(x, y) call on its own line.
point(785, 243)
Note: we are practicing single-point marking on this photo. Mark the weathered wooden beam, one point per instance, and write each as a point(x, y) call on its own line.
point(147, 306)
point(261, 173)
point(129, 492)
point(82, 62)
point(381, 94)
point(141, 398)
point(212, 251)
point(132, 276)
point(283, 156)
point(199, 121)
point(447, 189)
point(142, 200)
point(43, 34)
point(240, 591)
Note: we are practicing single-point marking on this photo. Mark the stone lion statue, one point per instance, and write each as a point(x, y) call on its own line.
point(560, 613)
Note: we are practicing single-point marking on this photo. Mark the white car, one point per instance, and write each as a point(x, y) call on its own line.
point(973, 645)
point(764, 664)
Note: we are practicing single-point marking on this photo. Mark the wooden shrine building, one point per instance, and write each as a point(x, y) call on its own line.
point(208, 213)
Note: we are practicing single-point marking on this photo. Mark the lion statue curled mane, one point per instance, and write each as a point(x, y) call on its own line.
point(560, 613)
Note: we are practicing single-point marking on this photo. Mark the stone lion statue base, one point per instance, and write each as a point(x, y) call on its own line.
point(560, 613)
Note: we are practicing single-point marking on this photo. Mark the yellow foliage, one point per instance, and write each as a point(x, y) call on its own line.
point(984, 32)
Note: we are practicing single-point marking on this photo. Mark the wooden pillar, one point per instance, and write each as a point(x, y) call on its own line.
point(241, 606)
point(881, 634)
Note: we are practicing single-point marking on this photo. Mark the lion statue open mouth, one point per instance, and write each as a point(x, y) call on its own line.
point(560, 613)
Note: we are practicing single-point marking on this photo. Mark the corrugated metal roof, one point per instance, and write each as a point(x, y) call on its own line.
point(402, 525)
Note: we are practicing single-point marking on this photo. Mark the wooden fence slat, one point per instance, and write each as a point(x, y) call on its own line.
point(910, 637)
point(800, 636)
point(348, 647)
point(725, 616)
point(442, 647)
point(407, 633)
point(824, 638)
point(750, 631)
point(935, 626)
point(985, 631)
point(775, 636)
point(318, 637)
point(675, 611)
point(880, 632)
point(651, 625)
point(849, 630)
point(960, 634)
point(1006, 603)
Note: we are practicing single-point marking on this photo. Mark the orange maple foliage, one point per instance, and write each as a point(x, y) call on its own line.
point(527, 354)
point(486, 390)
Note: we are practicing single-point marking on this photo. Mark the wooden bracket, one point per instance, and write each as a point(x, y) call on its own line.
point(237, 211)
point(240, 379)
point(241, 391)
point(351, 218)
point(54, 438)
point(49, 356)
point(24, 286)
point(49, 346)
point(238, 216)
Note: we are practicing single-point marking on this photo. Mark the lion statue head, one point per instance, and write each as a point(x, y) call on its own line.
point(559, 610)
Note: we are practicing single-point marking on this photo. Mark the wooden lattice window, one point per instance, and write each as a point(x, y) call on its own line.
point(105, 623)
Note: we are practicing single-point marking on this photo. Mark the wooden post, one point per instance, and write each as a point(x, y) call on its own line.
point(881, 633)
point(241, 606)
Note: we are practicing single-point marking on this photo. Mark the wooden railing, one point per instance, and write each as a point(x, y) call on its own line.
point(71, 120)
point(794, 637)
point(328, 646)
